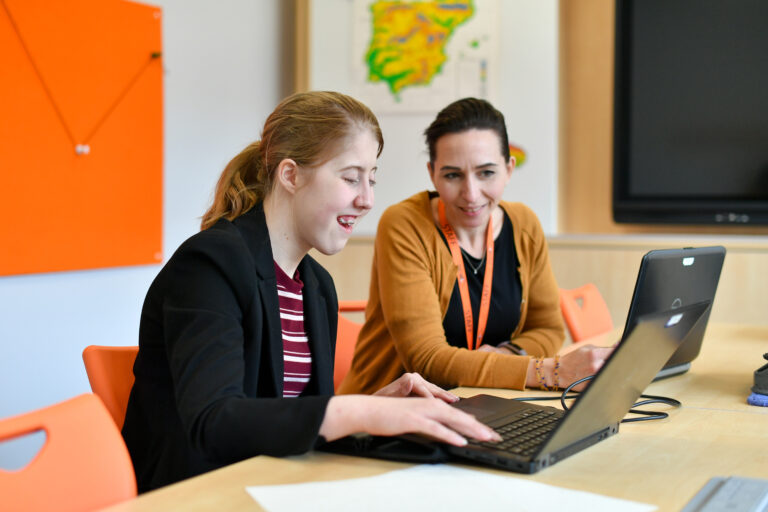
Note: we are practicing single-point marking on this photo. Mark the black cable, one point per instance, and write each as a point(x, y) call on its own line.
point(651, 415)
point(644, 415)
point(570, 387)
point(653, 399)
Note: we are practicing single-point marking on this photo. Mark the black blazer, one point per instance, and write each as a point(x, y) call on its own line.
point(209, 373)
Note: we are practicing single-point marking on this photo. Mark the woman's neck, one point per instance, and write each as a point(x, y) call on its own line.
point(472, 240)
point(283, 237)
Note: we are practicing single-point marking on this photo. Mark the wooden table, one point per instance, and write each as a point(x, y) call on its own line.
point(664, 463)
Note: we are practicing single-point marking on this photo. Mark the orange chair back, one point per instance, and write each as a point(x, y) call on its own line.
point(585, 312)
point(352, 306)
point(346, 339)
point(110, 372)
point(83, 464)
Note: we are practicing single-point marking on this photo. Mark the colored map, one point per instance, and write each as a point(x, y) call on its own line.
point(419, 55)
point(409, 38)
point(519, 154)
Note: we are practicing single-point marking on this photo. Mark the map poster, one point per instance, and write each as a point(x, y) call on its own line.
point(420, 55)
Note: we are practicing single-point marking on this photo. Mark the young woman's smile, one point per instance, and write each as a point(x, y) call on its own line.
point(335, 195)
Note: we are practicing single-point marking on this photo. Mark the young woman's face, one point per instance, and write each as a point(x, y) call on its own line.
point(469, 173)
point(335, 195)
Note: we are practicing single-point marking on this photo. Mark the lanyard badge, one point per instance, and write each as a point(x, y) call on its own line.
point(485, 299)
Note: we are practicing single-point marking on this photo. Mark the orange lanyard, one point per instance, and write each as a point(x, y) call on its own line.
point(485, 298)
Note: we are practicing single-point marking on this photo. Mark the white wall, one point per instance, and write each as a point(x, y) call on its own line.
point(529, 101)
point(224, 74)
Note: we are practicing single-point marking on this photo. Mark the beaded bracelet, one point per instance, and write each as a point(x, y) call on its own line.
point(557, 374)
point(538, 364)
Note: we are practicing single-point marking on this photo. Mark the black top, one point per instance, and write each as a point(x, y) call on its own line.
point(506, 294)
point(209, 372)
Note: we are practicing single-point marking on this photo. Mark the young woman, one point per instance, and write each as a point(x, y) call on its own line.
point(462, 290)
point(241, 319)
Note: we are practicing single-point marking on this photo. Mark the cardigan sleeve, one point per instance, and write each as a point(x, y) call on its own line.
point(541, 332)
point(411, 290)
point(211, 288)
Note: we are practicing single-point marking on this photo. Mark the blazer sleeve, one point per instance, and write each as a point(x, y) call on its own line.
point(409, 284)
point(211, 289)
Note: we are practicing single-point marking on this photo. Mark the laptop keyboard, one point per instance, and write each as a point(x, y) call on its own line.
point(525, 432)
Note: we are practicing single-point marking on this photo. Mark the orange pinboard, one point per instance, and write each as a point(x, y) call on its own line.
point(80, 135)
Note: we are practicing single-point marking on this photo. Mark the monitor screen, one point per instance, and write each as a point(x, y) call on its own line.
point(691, 111)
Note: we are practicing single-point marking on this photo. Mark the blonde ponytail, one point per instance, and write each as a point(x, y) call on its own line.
point(237, 190)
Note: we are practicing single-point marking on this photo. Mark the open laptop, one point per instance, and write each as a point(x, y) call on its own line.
point(669, 279)
point(594, 416)
point(597, 412)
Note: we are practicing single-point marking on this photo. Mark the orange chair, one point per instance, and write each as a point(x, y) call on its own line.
point(585, 312)
point(346, 339)
point(110, 372)
point(352, 306)
point(83, 464)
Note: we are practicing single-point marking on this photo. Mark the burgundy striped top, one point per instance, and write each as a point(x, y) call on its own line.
point(297, 359)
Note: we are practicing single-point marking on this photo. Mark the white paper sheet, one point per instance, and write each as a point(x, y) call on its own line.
point(434, 487)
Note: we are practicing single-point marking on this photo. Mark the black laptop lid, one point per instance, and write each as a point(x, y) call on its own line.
point(672, 278)
point(626, 373)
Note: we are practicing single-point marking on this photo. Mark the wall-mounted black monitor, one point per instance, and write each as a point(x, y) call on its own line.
point(691, 112)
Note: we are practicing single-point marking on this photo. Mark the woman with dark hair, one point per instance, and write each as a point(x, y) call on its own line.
point(238, 330)
point(462, 290)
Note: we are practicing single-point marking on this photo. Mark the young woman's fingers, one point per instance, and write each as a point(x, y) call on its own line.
point(399, 387)
point(436, 430)
point(464, 423)
point(422, 387)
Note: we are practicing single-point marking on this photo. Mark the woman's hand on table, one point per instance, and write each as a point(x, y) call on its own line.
point(413, 384)
point(580, 363)
point(390, 416)
point(575, 364)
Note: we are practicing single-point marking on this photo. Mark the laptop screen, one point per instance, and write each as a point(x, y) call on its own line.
point(672, 278)
point(626, 373)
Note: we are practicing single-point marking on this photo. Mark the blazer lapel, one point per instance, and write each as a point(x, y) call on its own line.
point(253, 226)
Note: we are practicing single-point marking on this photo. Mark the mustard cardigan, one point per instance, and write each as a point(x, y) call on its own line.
point(412, 280)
